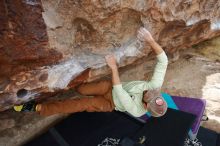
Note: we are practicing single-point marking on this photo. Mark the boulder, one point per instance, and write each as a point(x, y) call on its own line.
point(54, 45)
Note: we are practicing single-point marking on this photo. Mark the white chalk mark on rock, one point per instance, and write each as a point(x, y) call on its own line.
point(215, 25)
point(191, 21)
point(59, 76)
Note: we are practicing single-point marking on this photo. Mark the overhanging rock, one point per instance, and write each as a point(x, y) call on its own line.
point(45, 45)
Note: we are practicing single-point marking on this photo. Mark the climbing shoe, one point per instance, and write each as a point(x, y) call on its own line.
point(26, 107)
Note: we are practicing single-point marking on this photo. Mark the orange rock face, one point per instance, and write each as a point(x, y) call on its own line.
point(45, 45)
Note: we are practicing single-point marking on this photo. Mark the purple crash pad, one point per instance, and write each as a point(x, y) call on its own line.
point(192, 105)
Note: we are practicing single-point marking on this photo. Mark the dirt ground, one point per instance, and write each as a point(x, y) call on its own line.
point(193, 73)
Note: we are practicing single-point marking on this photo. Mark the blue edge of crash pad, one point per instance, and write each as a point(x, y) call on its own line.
point(171, 104)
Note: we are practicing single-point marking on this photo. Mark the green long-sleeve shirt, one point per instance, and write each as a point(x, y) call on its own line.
point(128, 95)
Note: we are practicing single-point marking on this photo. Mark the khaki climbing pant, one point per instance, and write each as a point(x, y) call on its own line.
point(101, 101)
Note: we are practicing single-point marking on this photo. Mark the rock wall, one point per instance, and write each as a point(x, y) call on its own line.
point(46, 45)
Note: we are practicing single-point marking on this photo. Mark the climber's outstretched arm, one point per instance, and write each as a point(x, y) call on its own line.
point(145, 36)
point(111, 61)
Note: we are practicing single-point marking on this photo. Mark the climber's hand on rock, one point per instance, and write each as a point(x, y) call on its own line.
point(111, 61)
point(144, 35)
